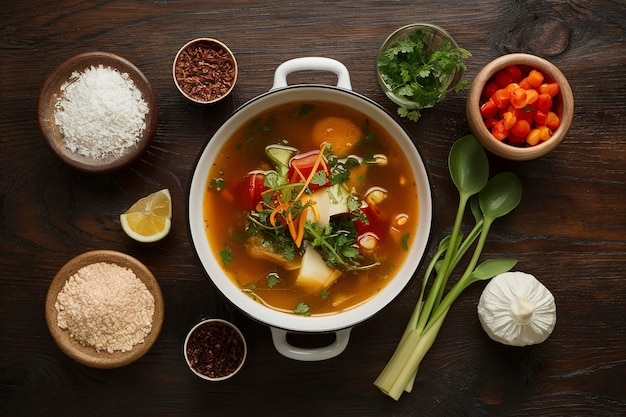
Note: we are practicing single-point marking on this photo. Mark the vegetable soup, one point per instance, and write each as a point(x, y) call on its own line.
point(311, 207)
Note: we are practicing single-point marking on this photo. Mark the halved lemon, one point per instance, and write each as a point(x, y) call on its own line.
point(149, 219)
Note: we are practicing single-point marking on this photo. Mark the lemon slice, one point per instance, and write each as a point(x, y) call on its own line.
point(149, 219)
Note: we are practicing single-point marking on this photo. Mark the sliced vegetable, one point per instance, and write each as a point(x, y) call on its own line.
point(314, 273)
point(328, 202)
point(312, 168)
point(257, 248)
point(250, 189)
point(280, 155)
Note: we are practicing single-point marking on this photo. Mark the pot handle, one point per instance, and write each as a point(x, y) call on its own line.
point(279, 337)
point(309, 64)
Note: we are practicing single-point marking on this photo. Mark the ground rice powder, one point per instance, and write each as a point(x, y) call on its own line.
point(105, 306)
point(100, 112)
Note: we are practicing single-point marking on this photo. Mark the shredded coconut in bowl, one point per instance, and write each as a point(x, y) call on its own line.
point(105, 306)
point(100, 112)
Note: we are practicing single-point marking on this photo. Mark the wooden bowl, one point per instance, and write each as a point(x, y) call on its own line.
point(203, 354)
point(51, 91)
point(563, 106)
point(87, 355)
point(191, 62)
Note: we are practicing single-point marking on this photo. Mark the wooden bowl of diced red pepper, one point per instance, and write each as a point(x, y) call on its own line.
point(520, 106)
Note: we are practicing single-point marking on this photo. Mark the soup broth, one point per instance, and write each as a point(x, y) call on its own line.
point(378, 203)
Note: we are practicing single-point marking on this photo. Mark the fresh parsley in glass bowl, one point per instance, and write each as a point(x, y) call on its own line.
point(418, 65)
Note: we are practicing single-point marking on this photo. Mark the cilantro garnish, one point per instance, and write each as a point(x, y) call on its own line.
point(368, 135)
point(227, 256)
point(336, 242)
point(417, 73)
point(217, 183)
point(405, 241)
point(319, 178)
point(306, 109)
point(272, 279)
point(302, 309)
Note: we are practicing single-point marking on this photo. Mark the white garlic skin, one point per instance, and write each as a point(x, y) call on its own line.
point(517, 310)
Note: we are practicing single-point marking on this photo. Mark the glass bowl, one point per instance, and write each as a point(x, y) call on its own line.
point(435, 38)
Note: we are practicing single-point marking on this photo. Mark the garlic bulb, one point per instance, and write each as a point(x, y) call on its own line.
point(516, 309)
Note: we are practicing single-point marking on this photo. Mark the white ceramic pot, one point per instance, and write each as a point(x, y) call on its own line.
point(282, 323)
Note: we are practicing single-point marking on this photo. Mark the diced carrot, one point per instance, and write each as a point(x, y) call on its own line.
point(541, 117)
point(535, 78)
point(501, 98)
point(531, 95)
point(553, 121)
point(534, 136)
point(509, 120)
point(545, 133)
point(525, 83)
point(544, 102)
point(518, 98)
point(521, 128)
point(498, 130)
point(551, 88)
point(511, 87)
point(489, 109)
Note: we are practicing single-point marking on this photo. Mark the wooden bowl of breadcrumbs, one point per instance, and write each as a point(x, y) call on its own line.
point(104, 309)
point(97, 112)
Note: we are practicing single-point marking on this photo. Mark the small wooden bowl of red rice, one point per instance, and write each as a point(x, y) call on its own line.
point(104, 309)
point(205, 70)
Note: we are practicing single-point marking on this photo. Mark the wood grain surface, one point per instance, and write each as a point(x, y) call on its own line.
point(569, 230)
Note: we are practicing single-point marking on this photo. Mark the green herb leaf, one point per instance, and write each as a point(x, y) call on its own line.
point(227, 256)
point(217, 183)
point(405, 241)
point(272, 179)
point(306, 109)
point(272, 279)
point(319, 178)
point(492, 267)
point(302, 309)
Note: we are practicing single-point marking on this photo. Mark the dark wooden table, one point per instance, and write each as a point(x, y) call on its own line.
point(569, 230)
